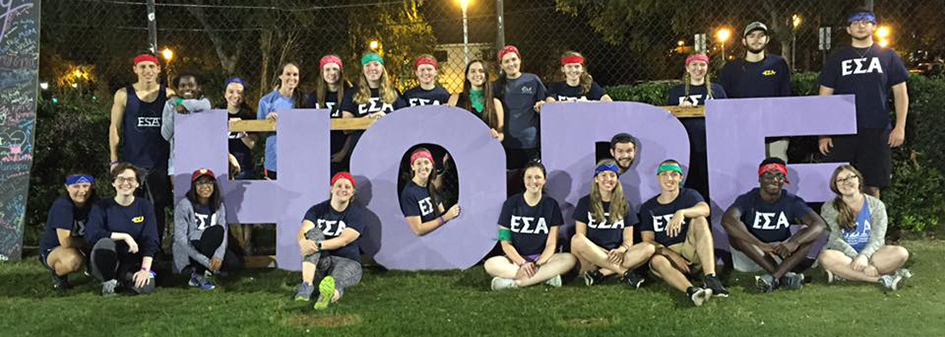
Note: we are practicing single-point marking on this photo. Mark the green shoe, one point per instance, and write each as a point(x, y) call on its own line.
point(326, 290)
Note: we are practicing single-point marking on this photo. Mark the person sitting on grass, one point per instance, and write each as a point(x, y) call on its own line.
point(528, 232)
point(856, 250)
point(767, 243)
point(419, 201)
point(329, 244)
point(62, 249)
point(676, 222)
point(124, 230)
point(200, 232)
point(603, 241)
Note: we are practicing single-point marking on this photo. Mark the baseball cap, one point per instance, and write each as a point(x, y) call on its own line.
point(755, 26)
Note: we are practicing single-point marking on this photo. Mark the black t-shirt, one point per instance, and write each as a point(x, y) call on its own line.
point(770, 222)
point(770, 77)
point(654, 216)
point(332, 223)
point(374, 104)
point(519, 96)
point(562, 92)
point(416, 201)
point(417, 96)
point(243, 154)
point(602, 233)
point(204, 216)
point(695, 126)
point(63, 214)
point(870, 74)
point(530, 225)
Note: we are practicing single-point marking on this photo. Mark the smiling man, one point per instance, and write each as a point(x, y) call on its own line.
point(623, 148)
point(758, 227)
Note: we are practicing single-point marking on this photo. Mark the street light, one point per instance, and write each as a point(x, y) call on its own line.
point(374, 44)
point(464, 4)
point(722, 35)
point(168, 54)
point(883, 33)
point(795, 22)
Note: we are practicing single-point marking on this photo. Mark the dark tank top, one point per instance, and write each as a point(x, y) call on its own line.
point(142, 142)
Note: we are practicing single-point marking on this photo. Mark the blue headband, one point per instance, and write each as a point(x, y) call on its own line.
point(606, 167)
point(862, 17)
point(235, 79)
point(78, 179)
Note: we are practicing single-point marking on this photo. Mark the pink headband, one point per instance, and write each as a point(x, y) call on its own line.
point(421, 154)
point(774, 167)
point(343, 175)
point(146, 58)
point(508, 49)
point(330, 59)
point(572, 59)
point(697, 57)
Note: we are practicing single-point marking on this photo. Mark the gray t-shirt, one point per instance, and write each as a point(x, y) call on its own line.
point(518, 98)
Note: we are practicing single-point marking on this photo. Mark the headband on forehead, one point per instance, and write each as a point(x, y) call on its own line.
point(235, 79)
point(370, 57)
point(606, 167)
point(508, 49)
point(669, 167)
point(697, 57)
point(343, 175)
point(421, 154)
point(425, 59)
point(776, 167)
point(332, 59)
point(145, 57)
point(80, 178)
point(572, 59)
point(864, 16)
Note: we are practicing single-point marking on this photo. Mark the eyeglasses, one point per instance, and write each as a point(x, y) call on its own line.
point(849, 179)
point(122, 180)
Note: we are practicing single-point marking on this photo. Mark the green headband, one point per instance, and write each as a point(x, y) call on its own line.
point(669, 167)
point(367, 58)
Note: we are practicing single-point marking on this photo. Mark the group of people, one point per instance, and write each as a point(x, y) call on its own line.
point(119, 237)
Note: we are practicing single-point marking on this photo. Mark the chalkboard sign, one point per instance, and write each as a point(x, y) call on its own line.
point(19, 65)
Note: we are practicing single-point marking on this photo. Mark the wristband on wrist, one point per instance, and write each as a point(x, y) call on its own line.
point(318, 244)
point(442, 220)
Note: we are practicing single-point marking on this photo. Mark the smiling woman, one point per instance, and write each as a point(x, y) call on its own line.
point(420, 198)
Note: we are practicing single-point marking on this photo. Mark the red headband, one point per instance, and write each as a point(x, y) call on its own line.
point(343, 175)
point(425, 59)
point(508, 49)
point(572, 59)
point(421, 154)
point(330, 59)
point(774, 167)
point(146, 58)
point(697, 57)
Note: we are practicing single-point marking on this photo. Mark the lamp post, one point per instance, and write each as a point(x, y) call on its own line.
point(464, 4)
point(722, 35)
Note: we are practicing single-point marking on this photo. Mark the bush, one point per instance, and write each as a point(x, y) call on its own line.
point(647, 92)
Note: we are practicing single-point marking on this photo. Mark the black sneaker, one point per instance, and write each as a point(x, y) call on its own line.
point(712, 282)
point(593, 277)
point(60, 283)
point(632, 279)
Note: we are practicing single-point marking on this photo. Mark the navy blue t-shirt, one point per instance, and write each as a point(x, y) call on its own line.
point(374, 104)
point(332, 223)
point(142, 143)
point(338, 137)
point(530, 224)
point(518, 98)
point(415, 201)
point(562, 92)
point(417, 96)
point(204, 216)
point(243, 154)
point(770, 222)
point(602, 233)
point(654, 216)
point(695, 126)
point(137, 220)
point(870, 74)
point(770, 77)
point(63, 214)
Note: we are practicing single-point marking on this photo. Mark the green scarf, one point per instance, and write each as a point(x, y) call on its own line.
point(477, 99)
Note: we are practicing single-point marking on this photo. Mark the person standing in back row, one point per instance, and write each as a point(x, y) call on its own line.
point(759, 74)
point(522, 95)
point(429, 92)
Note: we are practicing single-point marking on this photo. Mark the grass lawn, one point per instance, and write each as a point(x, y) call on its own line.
point(458, 303)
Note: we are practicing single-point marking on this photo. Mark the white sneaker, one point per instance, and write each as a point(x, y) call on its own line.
point(108, 288)
point(905, 273)
point(554, 281)
point(831, 277)
point(499, 283)
point(891, 282)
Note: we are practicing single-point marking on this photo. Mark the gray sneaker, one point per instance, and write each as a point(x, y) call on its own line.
point(305, 292)
point(499, 283)
point(891, 282)
point(554, 281)
point(905, 273)
point(108, 288)
point(792, 280)
point(766, 283)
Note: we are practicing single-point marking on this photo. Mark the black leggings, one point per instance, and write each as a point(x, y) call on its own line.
point(210, 240)
point(109, 263)
point(156, 187)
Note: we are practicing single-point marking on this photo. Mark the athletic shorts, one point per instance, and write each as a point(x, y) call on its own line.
point(743, 263)
point(868, 151)
point(44, 257)
point(688, 252)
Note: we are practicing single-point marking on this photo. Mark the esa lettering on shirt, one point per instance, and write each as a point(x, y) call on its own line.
point(603, 224)
point(694, 99)
point(331, 227)
point(426, 206)
point(528, 225)
point(374, 105)
point(660, 222)
point(856, 66)
point(763, 221)
point(78, 228)
point(205, 220)
point(423, 101)
point(149, 122)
